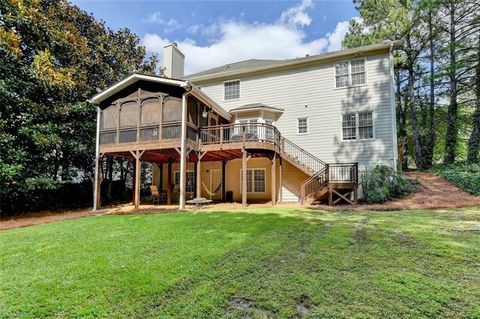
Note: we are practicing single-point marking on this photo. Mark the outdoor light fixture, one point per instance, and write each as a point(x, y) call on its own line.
point(205, 112)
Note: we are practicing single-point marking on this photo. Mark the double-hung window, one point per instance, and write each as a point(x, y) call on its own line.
point(357, 126)
point(350, 73)
point(349, 127)
point(302, 125)
point(365, 126)
point(231, 90)
point(255, 180)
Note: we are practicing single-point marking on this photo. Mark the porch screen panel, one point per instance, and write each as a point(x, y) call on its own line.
point(192, 112)
point(129, 115)
point(151, 109)
point(109, 118)
point(172, 109)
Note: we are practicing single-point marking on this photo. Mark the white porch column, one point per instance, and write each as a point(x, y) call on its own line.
point(183, 153)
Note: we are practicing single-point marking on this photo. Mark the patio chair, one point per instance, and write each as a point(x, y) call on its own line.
point(155, 194)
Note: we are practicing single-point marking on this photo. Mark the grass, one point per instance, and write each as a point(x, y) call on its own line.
point(462, 174)
point(281, 263)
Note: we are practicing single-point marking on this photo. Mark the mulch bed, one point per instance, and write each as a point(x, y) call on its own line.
point(435, 192)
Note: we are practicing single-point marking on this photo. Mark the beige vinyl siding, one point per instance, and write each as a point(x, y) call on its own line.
point(314, 86)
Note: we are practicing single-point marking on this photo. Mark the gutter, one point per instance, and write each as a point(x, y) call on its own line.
point(394, 109)
point(183, 148)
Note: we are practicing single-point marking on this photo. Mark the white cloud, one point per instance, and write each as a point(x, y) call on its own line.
point(336, 37)
point(169, 25)
point(233, 41)
point(297, 16)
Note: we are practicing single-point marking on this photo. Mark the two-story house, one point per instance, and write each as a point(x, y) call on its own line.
point(256, 130)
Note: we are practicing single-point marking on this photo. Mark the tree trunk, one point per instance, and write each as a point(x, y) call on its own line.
point(474, 140)
point(431, 125)
point(452, 128)
point(412, 103)
point(402, 124)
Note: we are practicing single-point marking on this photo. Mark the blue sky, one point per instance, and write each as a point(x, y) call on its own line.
point(212, 33)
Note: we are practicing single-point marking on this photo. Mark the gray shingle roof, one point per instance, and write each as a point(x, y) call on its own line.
point(256, 106)
point(247, 64)
point(254, 65)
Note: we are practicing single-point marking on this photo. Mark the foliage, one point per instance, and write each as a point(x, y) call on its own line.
point(40, 197)
point(463, 174)
point(53, 58)
point(383, 183)
point(437, 69)
point(260, 263)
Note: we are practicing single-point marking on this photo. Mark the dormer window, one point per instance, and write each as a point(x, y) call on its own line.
point(350, 73)
point(231, 90)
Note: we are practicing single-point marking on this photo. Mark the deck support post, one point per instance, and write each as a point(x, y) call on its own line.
point(160, 183)
point(244, 177)
point(169, 182)
point(183, 154)
point(274, 182)
point(138, 169)
point(330, 195)
point(98, 183)
point(198, 178)
point(224, 164)
point(96, 186)
point(280, 180)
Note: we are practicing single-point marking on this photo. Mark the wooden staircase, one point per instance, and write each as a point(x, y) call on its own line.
point(339, 180)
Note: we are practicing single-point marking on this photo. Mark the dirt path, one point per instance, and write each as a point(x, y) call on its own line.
point(436, 192)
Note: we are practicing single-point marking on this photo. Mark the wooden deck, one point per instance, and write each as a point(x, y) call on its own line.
point(337, 181)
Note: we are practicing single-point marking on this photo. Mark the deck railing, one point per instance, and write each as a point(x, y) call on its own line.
point(243, 133)
point(344, 172)
point(145, 133)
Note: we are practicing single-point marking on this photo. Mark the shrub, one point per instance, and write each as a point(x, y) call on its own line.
point(462, 174)
point(383, 183)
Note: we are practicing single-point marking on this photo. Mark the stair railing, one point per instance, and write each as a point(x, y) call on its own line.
point(301, 156)
point(315, 183)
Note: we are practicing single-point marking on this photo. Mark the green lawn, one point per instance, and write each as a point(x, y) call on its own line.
point(280, 263)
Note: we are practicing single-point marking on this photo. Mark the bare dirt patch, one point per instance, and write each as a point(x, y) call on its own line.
point(246, 308)
point(44, 217)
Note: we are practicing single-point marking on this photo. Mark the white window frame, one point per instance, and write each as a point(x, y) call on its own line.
point(349, 74)
point(253, 180)
point(186, 180)
point(239, 90)
point(298, 125)
point(357, 127)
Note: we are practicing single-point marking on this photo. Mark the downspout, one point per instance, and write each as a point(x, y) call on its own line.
point(394, 111)
point(97, 162)
point(183, 148)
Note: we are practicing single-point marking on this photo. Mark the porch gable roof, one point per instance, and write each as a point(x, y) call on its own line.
point(195, 91)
